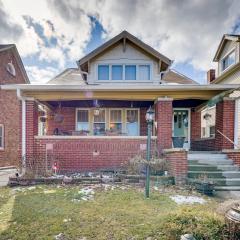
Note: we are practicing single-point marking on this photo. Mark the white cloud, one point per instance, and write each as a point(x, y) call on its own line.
point(40, 75)
point(185, 31)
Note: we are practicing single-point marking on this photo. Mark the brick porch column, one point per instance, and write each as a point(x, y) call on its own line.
point(31, 128)
point(225, 113)
point(195, 125)
point(164, 112)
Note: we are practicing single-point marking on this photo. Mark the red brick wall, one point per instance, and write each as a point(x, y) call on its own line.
point(164, 111)
point(68, 123)
point(9, 110)
point(83, 154)
point(177, 164)
point(143, 123)
point(31, 129)
point(225, 112)
point(233, 155)
point(207, 144)
point(195, 125)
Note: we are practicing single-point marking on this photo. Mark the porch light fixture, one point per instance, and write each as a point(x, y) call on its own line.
point(96, 110)
point(149, 118)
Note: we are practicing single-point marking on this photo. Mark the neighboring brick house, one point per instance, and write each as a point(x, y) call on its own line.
point(11, 72)
point(93, 116)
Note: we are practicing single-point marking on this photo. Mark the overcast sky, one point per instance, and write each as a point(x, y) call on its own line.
point(52, 34)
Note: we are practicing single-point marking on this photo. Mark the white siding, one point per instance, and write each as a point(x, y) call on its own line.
point(229, 46)
point(232, 79)
point(131, 55)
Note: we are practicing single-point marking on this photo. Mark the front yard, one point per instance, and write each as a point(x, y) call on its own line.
point(102, 212)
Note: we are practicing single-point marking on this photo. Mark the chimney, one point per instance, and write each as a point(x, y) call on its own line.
point(210, 75)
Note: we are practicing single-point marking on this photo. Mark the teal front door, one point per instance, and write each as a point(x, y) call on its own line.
point(181, 122)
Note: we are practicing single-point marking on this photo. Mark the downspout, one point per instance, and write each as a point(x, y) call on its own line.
point(23, 155)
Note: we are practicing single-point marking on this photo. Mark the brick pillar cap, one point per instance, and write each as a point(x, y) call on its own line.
point(172, 150)
point(231, 150)
point(163, 99)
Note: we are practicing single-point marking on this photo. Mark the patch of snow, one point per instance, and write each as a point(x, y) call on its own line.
point(67, 220)
point(60, 236)
point(31, 188)
point(49, 191)
point(180, 199)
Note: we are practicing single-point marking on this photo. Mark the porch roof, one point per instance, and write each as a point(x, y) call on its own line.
point(48, 92)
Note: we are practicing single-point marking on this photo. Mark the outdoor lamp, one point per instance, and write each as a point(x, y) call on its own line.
point(149, 119)
point(150, 115)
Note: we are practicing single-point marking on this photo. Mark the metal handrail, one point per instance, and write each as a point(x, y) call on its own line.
point(228, 139)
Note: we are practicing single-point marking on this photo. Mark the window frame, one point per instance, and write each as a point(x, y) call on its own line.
point(76, 118)
point(224, 57)
point(122, 119)
point(150, 64)
point(2, 147)
point(109, 72)
point(138, 109)
point(123, 72)
point(93, 122)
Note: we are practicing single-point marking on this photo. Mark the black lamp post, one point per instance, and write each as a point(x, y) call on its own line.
point(149, 118)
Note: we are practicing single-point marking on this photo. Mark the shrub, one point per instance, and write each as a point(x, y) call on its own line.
point(204, 225)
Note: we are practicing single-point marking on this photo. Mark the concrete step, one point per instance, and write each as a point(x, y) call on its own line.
point(220, 181)
point(206, 156)
point(227, 188)
point(214, 174)
point(206, 167)
point(212, 162)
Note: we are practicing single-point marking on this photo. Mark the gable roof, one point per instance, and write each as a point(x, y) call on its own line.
point(225, 38)
point(12, 47)
point(174, 77)
point(123, 36)
point(73, 76)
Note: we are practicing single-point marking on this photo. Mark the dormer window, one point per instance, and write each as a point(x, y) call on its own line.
point(126, 72)
point(103, 72)
point(228, 60)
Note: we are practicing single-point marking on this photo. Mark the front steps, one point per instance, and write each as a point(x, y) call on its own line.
point(217, 167)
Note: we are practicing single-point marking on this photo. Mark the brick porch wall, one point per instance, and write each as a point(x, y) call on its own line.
point(234, 155)
point(89, 153)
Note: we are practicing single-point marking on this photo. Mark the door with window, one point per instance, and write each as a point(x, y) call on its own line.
point(181, 125)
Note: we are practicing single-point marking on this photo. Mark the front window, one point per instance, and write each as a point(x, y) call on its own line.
point(144, 72)
point(116, 120)
point(99, 122)
point(117, 72)
point(132, 122)
point(1, 136)
point(82, 120)
point(103, 72)
point(130, 72)
point(228, 60)
point(208, 122)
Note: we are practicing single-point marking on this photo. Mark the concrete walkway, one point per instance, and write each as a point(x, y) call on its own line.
point(5, 173)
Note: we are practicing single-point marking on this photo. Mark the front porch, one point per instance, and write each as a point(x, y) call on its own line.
point(87, 130)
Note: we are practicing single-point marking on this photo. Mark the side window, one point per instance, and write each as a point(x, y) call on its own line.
point(116, 120)
point(228, 60)
point(132, 122)
point(82, 120)
point(1, 136)
point(99, 122)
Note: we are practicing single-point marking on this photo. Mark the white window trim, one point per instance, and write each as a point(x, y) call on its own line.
point(124, 80)
point(2, 147)
point(76, 117)
point(226, 55)
point(105, 122)
point(109, 119)
point(138, 109)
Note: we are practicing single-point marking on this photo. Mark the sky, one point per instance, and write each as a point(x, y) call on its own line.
point(51, 35)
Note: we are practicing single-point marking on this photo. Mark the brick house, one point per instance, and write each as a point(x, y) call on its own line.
point(93, 116)
point(11, 72)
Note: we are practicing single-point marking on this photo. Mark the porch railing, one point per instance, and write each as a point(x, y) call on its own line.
point(228, 139)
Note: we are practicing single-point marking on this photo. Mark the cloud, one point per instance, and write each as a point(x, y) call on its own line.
point(40, 75)
point(58, 31)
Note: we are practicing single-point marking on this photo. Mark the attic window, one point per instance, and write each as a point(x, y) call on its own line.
point(228, 60)
point(11, 69)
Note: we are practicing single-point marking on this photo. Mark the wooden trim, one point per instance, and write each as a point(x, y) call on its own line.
point(92, 137)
